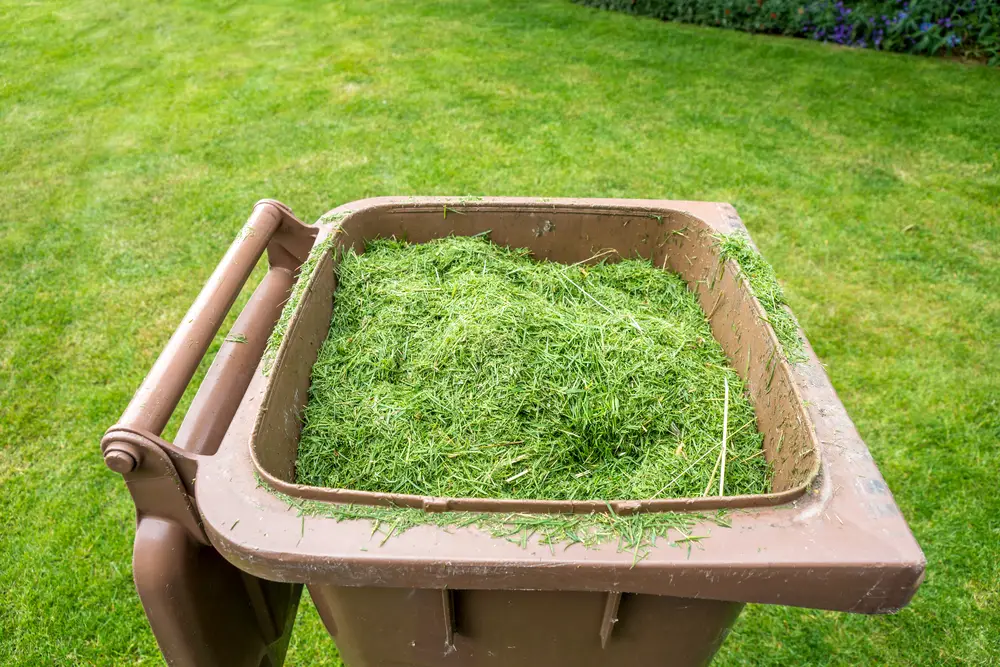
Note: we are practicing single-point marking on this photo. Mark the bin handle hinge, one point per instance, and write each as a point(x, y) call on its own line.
point(159, 475)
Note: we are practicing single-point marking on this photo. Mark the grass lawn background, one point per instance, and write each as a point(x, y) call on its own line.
point(134, 139)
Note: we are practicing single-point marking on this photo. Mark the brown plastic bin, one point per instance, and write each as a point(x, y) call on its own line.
point(220, 559)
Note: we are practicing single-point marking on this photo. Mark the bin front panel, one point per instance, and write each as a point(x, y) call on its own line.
point(377, 627)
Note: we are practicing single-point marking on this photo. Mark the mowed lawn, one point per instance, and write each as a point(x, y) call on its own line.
point(135, 137)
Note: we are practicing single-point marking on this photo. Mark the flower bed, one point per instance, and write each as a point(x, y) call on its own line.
point(968, 28)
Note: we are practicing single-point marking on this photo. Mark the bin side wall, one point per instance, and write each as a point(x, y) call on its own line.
point(275, 438)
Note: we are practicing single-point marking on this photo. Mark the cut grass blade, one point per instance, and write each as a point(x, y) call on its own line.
point(725, 427)
point(764, 285)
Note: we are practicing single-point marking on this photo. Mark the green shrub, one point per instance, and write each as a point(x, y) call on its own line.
point(969, 28)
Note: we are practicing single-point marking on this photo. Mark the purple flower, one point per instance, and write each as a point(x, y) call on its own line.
point(925, 26)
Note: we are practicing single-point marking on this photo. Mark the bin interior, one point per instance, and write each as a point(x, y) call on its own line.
point(674, 240)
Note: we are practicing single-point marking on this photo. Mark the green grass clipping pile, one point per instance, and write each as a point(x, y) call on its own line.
point(461, 368)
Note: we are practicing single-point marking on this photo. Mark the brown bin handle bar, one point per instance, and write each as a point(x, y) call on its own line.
point(160, 475)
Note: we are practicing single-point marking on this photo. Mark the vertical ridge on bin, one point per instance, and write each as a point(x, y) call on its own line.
point(269, 628)
point(448, 609)
point(610, 617)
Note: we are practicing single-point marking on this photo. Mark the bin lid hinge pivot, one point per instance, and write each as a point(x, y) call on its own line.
point(159, 475)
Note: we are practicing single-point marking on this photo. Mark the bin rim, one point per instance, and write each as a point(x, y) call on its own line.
point(841, 526)
point(721, 220)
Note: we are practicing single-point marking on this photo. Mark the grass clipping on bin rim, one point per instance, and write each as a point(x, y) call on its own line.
point(635, 533)
point(764, 285)
point(459, 368)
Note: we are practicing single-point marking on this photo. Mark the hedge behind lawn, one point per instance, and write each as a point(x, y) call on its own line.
point(969, 28)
